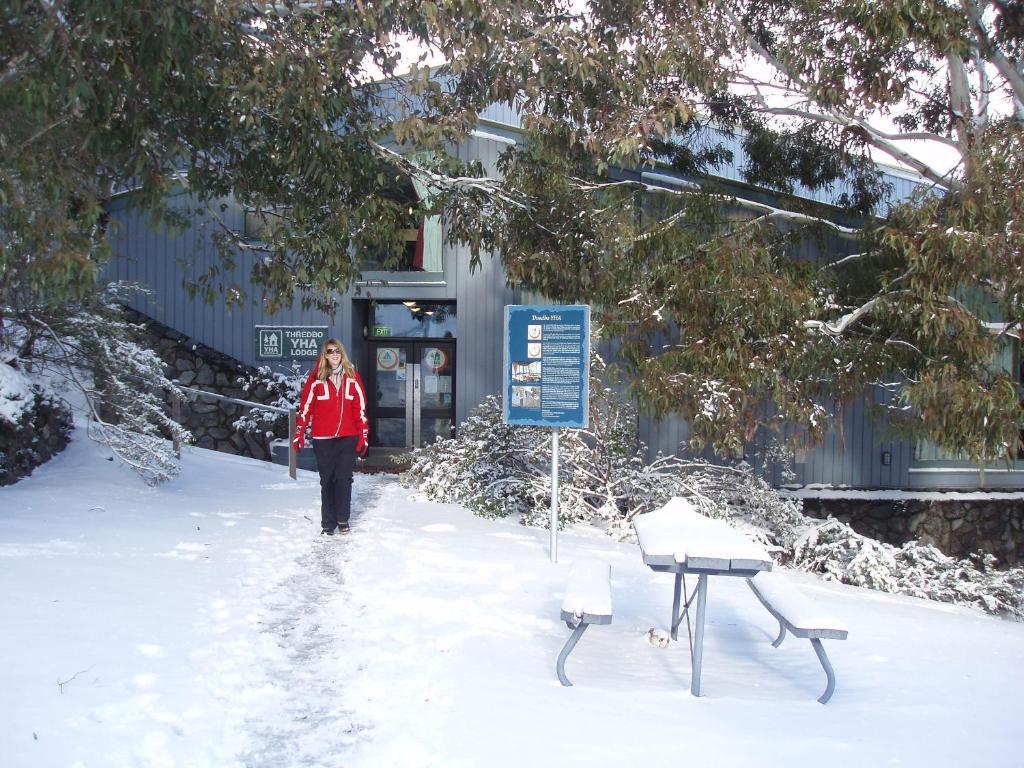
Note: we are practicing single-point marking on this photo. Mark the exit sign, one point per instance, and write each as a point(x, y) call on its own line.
point(381, 330)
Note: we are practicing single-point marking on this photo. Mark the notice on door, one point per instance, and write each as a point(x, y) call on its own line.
point(547, 365)
point(387, 358)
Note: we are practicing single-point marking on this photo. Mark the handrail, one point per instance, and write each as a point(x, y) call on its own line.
point(235, 400)
point(176, 415)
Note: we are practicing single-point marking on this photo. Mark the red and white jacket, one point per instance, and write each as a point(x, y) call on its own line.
point(333, 411)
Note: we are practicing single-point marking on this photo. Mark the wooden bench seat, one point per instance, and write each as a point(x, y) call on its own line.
point(587, 600)
point(801, 616)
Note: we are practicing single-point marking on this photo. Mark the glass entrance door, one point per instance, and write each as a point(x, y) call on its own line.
point(412, 392)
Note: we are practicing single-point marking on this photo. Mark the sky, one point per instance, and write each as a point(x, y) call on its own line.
point(938, 155)
point(205, 622)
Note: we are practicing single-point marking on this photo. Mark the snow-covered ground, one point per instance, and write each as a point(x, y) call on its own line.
point(205, 623)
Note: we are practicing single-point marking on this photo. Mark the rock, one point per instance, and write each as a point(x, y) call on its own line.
point(205, 376)
point(256, 447)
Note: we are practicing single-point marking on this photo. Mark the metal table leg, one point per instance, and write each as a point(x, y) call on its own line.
point(674, 624)
point(698, 641)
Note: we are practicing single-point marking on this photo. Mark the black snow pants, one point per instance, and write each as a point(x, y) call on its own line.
point(335, 458)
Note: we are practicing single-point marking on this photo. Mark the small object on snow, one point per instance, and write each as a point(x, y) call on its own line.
point(658, 637)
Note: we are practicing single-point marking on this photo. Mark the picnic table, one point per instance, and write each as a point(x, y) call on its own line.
point(677, 539)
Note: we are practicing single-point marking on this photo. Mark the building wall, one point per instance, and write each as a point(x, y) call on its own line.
point(851, 455)
point(160, 258)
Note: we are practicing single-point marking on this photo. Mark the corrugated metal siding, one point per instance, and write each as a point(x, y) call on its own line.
point(850, 456)
point(504, 114)
point(157, 257)
point(482, 296)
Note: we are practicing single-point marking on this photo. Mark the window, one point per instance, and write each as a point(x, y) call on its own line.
point(414, 319)
point(1007, 359)
point(421, 235)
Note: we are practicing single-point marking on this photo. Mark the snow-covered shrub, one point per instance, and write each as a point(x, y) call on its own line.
point(488, 468)
point(499, 470)
point(272, 388)
point(90, 349)
point(15, 394)
point(33, 425)
point(836, 551)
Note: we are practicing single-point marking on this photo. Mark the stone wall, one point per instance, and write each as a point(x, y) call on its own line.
point(44, 431)
point(211, 421)
point(958, 527)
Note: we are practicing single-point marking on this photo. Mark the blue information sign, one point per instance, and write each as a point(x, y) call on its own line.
point(547, 365)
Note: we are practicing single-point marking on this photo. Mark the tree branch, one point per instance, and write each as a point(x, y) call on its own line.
point(875, 137)
point(839, 327)
point(440, 181)
point(845, 260)
point(960, 102)
point(768, 211)
point(991, 51)
point(835, 120)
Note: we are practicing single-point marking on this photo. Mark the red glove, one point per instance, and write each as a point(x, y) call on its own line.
point(299, 441)
point(363, 444)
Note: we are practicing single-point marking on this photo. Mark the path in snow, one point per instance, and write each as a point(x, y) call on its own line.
point(280, 681)
point(303, 616)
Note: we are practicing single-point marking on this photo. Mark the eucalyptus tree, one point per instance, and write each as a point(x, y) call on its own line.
point(293, 109)
point(273, 104)
point(708, 283)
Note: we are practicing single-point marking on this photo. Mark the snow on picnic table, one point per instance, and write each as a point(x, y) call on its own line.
point(678, 531)
point(204, 623)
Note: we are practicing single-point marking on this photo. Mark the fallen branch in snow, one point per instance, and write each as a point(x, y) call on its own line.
point(60, 685)
point(837, 552)
point(497, 471)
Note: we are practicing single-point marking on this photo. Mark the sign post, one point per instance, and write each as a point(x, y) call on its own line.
point(554, 495)
point(547, 376)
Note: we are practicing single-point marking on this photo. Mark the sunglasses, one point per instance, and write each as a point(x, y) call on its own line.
point(333, 351)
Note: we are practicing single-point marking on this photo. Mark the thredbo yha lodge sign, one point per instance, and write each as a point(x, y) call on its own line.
point(289, 342)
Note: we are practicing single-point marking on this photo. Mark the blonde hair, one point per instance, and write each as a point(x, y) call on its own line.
point(323, 367)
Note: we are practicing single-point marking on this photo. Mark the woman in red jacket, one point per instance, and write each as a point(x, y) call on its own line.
point(333, 405)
